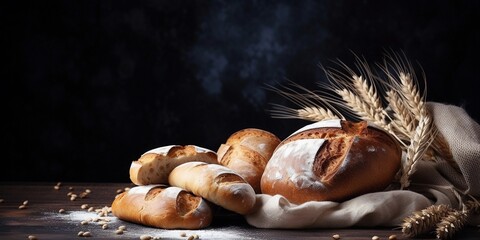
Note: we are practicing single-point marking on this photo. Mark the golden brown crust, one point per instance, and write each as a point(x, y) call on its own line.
point(216, 183)
point(154, 166)
point(247, 152)
point(332, 163)
point(162, 207)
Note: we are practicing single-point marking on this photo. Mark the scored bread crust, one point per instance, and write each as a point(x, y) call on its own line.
point(162, 206)
point(216, 183)
point(333, 160)
point(154, 166)
point(247, 152)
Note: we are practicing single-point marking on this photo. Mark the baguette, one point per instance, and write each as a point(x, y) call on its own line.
point(216, 183)
point(154, 166)
point(162, 207)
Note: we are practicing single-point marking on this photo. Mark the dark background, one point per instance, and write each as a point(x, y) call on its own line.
point(88, 86)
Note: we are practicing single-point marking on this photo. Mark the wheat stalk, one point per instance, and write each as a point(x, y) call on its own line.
point(402, 121)
point(411, 94)
point(418, 145)
point(451, 224)
point(424, 221)
point(361, 108)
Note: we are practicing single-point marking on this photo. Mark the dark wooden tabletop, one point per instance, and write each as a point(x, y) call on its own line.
point(44, 211)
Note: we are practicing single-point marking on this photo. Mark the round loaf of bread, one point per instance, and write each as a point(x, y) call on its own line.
point(332, 160)
point(154, 166)
point(247, 152)
point(162, 207)
point(216, 183)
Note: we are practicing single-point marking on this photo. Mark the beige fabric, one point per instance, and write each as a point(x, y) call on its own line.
point(432, 183)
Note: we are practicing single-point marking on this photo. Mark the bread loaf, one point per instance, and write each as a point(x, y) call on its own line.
point(332, 160)
point(216, 183)
point(162, 207)
point(247, 152)
point(154, 166)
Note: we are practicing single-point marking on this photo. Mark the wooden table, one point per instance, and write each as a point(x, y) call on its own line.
point(33, 208)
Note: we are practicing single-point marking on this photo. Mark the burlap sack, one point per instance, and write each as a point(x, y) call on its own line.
point(432, 183)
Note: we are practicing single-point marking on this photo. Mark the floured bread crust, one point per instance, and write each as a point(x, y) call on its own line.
point(332, 160)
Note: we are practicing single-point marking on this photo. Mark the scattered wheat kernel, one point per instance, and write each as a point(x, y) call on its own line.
point(59, 184)
point(88, 190)
point(25, 202)
point(72, 198)
point(22, 206)
point(80, 233)
point(375, 238)
point(84, 206)
point(191, 237)
point(90, 209)
point(145, 237)
point(2, 200)
point(392, 237)
point(56, 187)
point(119, 231)
point(122, 227)
point(182, 234)
point(126, 189)
point(336, 236)
point(31, 237)
point(70, 188)
point(119, 190)
point(195, 236)
point(61, 210)
point(84, 222)
point(86, 234)
point(105, 226)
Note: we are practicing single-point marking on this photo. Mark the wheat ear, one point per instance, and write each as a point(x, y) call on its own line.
point(361, 108)
point(313, 107)
point(402, 121)
point(451, 224)
point(424, 221)
point(419, 143)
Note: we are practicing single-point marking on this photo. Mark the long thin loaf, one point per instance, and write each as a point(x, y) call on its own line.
point(216, 183)
point(162, 207)
point(154, 166)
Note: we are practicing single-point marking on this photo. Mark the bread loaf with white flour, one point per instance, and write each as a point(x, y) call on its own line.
point(332, 160)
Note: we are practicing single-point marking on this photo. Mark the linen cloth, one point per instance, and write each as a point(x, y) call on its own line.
point(431, 183)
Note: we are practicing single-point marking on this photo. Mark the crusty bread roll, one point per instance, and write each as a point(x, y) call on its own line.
point(247, 152)
point(162, 207)
point(154, 166)
point(216, 183)
point(332, 160)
